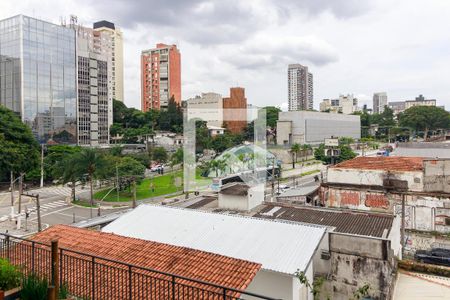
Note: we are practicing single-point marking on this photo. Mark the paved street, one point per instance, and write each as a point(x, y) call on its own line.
point(54, 206)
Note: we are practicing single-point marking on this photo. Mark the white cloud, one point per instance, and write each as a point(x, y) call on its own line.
point(351, 46)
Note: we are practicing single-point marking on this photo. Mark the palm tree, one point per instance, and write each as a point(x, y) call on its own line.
point(305, 148)
point(68, 172)
point(91, 162)
point(295, 148)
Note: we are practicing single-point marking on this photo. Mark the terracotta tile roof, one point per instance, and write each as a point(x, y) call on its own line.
point(182, 261)
point(345, 221)
point(387, 163)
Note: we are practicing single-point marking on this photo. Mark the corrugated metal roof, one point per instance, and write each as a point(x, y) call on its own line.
point(278, 246)
point(345, 221)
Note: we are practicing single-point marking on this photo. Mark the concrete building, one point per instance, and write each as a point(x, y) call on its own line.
point(353, 237)
point(344, 105)
point(425, 150)
point(108, 41)
point(379, 102)
point(281, 248)
point(380, 184)
point(401, 106)
point(306, 127)
point(240, 196)
point(38, 76)
point(300, 88)
point(207, 107)
point(160, 77)
point(235, 110)
point(94, 100)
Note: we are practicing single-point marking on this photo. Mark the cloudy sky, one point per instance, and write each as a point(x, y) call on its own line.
point(351, 46)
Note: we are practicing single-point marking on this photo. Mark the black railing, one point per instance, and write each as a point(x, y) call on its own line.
point(93, 277)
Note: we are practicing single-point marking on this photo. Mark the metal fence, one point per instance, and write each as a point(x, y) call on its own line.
point(92, 277)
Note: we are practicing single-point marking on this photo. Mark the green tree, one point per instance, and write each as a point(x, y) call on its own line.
point(67, 171)
point(346, 153)
point(222, 142)
point(272, 116)
point(295, 148)
point(171, 119)
point(19, 150)
point(425, 118)
point(92, 163)
point(160, 154)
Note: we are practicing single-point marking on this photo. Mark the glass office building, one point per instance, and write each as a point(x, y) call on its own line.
point(38, 76)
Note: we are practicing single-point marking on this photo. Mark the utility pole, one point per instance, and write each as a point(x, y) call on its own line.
point(12, 189)
point(273, 177)
point(20, 191)
point(134, 193)
point(38, 209)
point(403, 224)
point(42, 165)
point(117, 182)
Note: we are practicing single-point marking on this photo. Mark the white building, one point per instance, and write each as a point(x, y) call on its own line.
point(300, 88)
point(281, 248)
point(207, 107)
point(109, 41)
point(379, 102)
point(241, 196)
point(345, 105)
point(307, 127)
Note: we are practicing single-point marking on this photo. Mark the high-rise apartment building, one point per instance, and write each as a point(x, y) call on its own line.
point(160, 77)
point(379, 102)
point(108, 41)
point(300, 88)
point(94, 100)
point(235, 110)
point(38, 76)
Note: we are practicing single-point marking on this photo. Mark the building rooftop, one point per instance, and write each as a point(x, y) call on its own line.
point(182, 261)
point(386, 163)
point(235, 188)
point(277, 246)
point(344, 221)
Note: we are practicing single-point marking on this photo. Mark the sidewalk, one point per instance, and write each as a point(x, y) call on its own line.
point(299, 170)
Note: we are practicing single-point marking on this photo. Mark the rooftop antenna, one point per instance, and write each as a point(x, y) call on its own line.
point(73, 21)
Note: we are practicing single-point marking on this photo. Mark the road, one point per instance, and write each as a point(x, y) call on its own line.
point(54, 207)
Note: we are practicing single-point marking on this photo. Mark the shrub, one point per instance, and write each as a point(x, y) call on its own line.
point(34, 288)
point(9, 275)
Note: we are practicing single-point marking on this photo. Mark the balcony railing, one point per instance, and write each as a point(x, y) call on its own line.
point(93, 277)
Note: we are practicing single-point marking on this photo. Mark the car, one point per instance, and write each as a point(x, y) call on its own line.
point(156, 168)
point(436, 256)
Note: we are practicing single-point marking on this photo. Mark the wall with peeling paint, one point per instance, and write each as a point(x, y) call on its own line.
point(357, 260)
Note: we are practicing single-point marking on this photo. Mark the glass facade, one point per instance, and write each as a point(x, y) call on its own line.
point(41, 85)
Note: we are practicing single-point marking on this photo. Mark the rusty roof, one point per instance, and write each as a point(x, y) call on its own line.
point(344, 221)
point(181, 261)
point(386, 163)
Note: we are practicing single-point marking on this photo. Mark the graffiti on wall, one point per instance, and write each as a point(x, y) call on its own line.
point(350, 198)
point(377, 200)
point(408, 215)
point(442, 219)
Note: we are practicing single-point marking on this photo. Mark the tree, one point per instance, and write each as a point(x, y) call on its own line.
point(171, 119)
point(295, 148)
point(159, 154)
point(425, 118)
point(346, 153)
point(222, 142)
point(272, 116)
point(19, 150)
point(67, 171)
point(91, 162)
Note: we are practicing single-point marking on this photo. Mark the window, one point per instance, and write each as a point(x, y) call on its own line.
point(447, 221)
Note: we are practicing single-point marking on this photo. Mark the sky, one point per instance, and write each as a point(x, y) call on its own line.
point(351, 46)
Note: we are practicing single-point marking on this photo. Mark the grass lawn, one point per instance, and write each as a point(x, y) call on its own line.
point(163, 185)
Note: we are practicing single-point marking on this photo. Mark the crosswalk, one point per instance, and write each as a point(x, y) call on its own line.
point(48, 206)
point(53, 191)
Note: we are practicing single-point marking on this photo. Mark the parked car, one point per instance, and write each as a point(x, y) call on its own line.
point(436, 256)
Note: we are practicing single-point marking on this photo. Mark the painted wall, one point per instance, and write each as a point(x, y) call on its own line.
point(254, 198)
point(278, 285)
point(423, 241)
point(374, 177)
